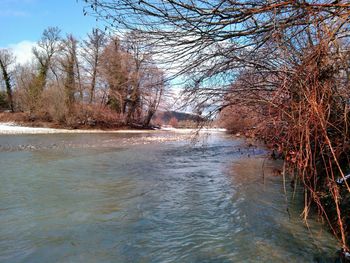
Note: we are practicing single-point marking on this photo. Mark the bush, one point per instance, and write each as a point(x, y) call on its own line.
point(239, 119)
point(53, 105)
point(3, 101)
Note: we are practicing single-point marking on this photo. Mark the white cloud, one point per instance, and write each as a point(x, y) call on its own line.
point(23, 51)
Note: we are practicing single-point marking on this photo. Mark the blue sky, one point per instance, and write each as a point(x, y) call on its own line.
point(26, 19)
point(23, 21)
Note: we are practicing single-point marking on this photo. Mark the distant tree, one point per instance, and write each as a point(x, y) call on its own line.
point(173, 122)
point(7, 59)
point(69, 62)
point(135, 83)
point(78, 74)
point(48, 46)
point(24, 76)
point(115, 70)
point(152, 91)
point(92, 52)
point(135, 46)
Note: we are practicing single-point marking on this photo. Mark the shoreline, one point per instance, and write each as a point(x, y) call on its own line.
point(12, 128)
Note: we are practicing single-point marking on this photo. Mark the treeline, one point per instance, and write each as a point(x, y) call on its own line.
point(105, 81)
point(179, 119)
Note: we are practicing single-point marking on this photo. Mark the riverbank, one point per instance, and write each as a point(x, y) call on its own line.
point(15, 128)
point(21, 123)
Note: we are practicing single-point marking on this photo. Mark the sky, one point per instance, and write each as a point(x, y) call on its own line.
point(23, 21)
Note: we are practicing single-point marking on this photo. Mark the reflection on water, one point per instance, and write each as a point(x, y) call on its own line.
point(161, 202)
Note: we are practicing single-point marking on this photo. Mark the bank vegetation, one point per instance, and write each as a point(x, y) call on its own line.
point(100, 81)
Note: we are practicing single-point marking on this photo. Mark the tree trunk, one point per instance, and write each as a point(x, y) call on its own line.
point(8, 85)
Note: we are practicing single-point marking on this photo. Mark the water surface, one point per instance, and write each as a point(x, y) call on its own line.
point(95, 198)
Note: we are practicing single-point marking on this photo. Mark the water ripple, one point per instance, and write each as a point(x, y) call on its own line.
point(93, 199)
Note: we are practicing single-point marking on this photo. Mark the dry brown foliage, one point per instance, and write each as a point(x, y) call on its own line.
point(306, 118)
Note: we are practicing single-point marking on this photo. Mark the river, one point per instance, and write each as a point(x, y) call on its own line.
point(138, 198)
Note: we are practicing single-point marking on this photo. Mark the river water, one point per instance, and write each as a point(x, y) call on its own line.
point(132, 198)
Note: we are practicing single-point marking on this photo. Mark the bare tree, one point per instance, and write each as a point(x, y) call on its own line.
point(92, 51)
point(135, 83)
point(115, 69)
point(69, 62)
point(48, 46)
point(153, 86)
point(140, 60)
point(24, 77)
point(209, 41)
point(7, 59)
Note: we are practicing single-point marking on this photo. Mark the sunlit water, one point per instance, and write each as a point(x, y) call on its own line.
point(93, 198)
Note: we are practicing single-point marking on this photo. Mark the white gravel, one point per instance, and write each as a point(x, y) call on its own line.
point(13, 128)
